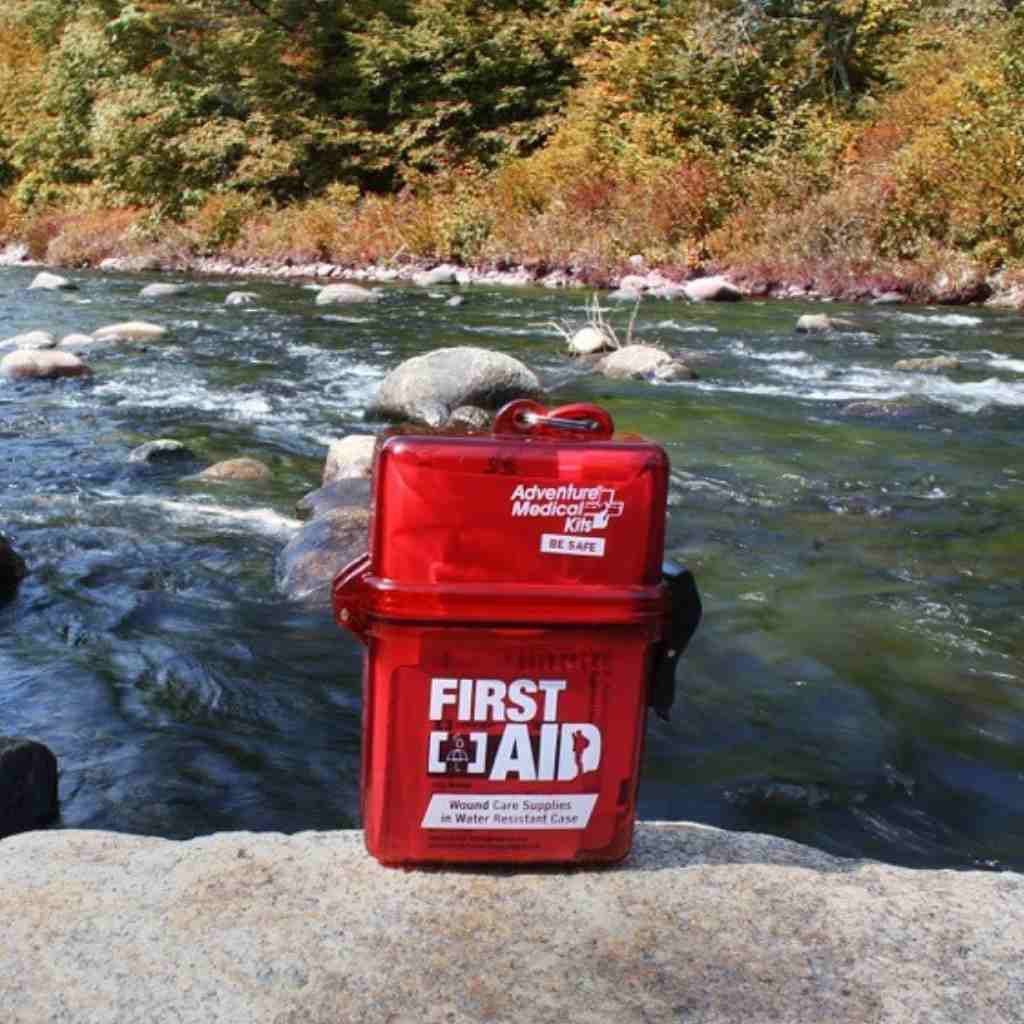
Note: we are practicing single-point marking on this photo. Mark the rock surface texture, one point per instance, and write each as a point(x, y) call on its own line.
point(310, 560)
point(698, 925)
point(426, 389)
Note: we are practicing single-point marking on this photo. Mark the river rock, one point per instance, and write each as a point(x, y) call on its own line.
point(29, 340)
point(625, 295)
point(240, 298)
point(161, 450)
point(345, 492)
point(12, 569)
point(28, 364)
point(345, 293)
point(670, 292)
point(162, 291)
point(470, 418)
point(821, 323)
point(712, 289)
point(309, 562)
point(52, 282)
point(438, 275)
point(14, 253)
point(455, 301)
point(130, 330)
point(243, 469)
point(633, 361)
point(352, 456)
point(590, 340)
point(79, 343)
point(869, 408)
point(132, 264)
point(935, 364)
point(426, 388)
point(28, 786)
point(698, 925)
point(673, 372)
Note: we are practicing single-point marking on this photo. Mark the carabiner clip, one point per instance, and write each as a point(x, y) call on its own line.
point(529, 418)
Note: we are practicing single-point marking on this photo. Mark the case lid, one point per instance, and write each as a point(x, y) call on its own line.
point(549, 520)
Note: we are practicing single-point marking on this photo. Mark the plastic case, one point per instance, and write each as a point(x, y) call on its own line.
point(513, 612)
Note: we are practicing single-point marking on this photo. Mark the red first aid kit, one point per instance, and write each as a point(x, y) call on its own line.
point(517, 623)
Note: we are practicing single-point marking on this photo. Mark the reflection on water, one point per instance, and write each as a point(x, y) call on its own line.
point(857, 682)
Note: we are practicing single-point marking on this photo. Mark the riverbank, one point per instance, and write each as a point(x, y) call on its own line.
point(698, 925)
point(917, 285)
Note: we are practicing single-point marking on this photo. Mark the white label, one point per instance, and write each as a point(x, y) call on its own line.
point(560, 544)
point(510, 810)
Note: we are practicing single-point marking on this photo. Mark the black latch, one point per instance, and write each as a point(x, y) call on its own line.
point(683, 619)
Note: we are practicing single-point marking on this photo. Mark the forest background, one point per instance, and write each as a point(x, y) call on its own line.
point(847, 145)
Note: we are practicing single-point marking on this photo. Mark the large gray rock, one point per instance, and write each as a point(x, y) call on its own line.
point(12, 569)
point(47, 364)
point(428, 388)
point(28, 785)
point(698, 925)
point(311, 559)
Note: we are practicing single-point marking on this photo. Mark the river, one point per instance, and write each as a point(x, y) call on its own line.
point(857, 683)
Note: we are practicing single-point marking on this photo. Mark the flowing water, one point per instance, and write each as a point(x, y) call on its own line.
point(857, 683)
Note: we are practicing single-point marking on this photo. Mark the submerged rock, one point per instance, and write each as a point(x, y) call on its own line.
point(240, 298)
point(935, 364)
point(28, 785)
point(243, 469)
point(311, 559)
point(49, 364)
point(426, 389)
point(872, 407)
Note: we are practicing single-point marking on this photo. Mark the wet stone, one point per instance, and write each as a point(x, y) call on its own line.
point(28, 785)
point(340, 493)
point(161, 450)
